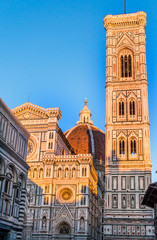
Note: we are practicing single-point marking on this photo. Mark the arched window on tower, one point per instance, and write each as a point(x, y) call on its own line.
point(132, 108)
point(133, 147)
point(121, 147)
point(126, 65)
point(129, 62)
point(121, 108)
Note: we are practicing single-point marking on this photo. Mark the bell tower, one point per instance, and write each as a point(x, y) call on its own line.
point(127, 163)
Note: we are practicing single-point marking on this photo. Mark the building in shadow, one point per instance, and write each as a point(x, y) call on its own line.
point(13, 174)
point(150, 200)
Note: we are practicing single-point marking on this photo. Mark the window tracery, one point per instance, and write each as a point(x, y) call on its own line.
point(121, 147)
point(132, 108)
point(133, 147)
point(121, 108)
point(126, 64)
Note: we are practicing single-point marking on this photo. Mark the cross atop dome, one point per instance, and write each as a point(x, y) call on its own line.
point(85, 115)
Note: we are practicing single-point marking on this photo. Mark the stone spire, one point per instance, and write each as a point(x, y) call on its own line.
point(85, 115)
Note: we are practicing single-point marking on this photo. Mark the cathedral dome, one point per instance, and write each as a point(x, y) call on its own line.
point(86, 138)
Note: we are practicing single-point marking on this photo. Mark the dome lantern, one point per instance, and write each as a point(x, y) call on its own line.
point(85, 115)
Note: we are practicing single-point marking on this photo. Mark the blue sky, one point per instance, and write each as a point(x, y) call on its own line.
point(55, 50)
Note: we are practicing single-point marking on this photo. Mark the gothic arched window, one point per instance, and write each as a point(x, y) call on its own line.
point(126, 65)
point(121, 147)
point(132, 108)
point(121, 108)
point(133, 147)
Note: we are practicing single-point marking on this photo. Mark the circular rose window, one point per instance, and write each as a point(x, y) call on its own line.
point(65, 195)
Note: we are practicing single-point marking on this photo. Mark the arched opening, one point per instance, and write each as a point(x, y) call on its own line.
point(121, 147)
point(133, 147)
point(121, 108)
point(125, 64)
point(64, 228)
point(132, 107)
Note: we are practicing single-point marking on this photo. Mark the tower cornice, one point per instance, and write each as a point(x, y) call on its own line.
point(125, 20)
